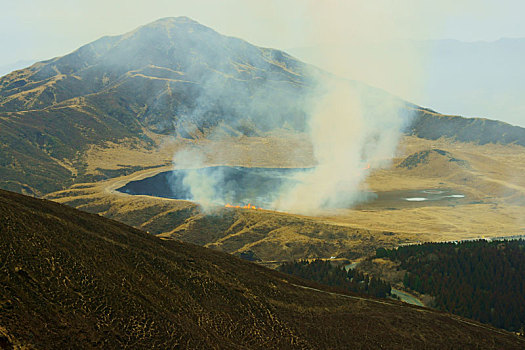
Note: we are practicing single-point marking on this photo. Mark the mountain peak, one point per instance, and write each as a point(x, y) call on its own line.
point(173, 23)
point(179, 19)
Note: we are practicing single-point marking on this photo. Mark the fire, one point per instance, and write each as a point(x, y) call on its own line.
point(248, 206)
point(253, 207)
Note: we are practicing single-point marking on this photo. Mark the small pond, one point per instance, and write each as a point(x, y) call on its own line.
point(236, 185)
point(261, 187)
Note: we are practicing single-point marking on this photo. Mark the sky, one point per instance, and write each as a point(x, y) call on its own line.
point(42, 29)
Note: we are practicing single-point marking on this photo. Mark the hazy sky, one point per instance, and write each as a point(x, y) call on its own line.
point(47, 28)
point(42, 29)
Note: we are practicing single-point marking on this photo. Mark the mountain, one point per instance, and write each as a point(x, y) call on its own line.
point(171, 77)
point(431, 125)
point(77, 280)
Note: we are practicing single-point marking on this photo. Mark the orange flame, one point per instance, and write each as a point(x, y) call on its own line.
point(248, 206)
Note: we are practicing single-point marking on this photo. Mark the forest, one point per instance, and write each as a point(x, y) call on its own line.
point(482, 280)
point(323, 271)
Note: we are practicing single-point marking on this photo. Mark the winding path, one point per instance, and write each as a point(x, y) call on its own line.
point(407, 297)
point(420, 309)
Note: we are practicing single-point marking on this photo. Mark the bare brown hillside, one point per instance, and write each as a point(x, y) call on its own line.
point(70, 279)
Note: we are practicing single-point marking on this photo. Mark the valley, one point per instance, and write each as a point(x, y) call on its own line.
point(487, 175)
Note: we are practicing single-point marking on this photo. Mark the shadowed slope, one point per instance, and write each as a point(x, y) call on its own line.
point(76, 280)
point(430, 125)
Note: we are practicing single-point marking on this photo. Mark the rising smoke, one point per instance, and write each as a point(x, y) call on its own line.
point(351, 126)
point(351, 132)
point(201, 184)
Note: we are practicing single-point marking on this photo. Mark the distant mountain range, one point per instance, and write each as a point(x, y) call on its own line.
point(171, 77)
point(76, 280)
point(476, 79)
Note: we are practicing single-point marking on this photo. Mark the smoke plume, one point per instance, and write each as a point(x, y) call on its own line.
point(348, 137)
point(252, 92)
point(353, 130)
point(202, 185)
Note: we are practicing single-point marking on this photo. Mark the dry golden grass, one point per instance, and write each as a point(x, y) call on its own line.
point(488, 175)
point(276, 150)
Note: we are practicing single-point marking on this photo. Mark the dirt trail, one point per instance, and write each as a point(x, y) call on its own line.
point(418, 308)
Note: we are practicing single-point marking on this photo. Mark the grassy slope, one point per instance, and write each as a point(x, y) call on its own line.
point(494, 190)
point(431, 125)
point(73, 279)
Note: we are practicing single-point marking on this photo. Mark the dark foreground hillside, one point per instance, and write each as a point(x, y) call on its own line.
point(69, 279)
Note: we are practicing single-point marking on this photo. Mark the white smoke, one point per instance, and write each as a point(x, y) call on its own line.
point(353, 130)
point(348, 138)
point(201, 184)
point(350, 125)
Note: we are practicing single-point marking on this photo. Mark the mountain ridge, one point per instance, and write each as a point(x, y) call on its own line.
point(102, 102)
point(173, 76)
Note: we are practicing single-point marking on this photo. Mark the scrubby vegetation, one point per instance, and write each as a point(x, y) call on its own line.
point(477, 279)
point(423, 157)
point(70, 279)
point(324, 272)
